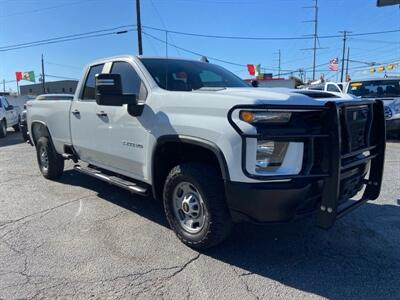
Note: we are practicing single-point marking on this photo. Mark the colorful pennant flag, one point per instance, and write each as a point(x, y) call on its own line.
point(30, 76)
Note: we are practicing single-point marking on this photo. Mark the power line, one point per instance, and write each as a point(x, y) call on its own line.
point(200, 54)
point(70, 36)
point(42, 9)
point(266, 38)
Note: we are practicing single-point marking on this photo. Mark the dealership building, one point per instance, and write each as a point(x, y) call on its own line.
point(51, 87)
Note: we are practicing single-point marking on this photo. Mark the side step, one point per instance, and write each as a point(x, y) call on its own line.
point(114, 180)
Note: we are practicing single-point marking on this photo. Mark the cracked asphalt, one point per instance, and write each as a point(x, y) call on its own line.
point(79, 238)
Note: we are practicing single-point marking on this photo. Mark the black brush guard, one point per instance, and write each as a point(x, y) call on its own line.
point(342, 152)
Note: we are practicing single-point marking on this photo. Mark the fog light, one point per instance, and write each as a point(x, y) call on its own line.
point(270, 155)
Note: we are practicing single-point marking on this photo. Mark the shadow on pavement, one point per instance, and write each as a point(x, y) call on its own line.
point(358, 258)
point(144, 206)
point(12, 138)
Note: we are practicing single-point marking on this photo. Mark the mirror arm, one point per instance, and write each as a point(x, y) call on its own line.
point(135, 110)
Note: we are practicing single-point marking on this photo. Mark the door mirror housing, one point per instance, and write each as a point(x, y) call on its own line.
point(109, 91)
point(10, 107)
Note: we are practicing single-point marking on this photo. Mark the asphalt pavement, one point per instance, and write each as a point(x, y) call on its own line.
point(80, 238)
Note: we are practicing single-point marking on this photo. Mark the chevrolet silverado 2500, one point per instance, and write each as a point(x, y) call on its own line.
point(213, 149)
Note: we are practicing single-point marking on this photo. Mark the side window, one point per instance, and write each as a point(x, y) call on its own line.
point(5, 102)
point(131, 82)
point(89, 88)
point(333, 88)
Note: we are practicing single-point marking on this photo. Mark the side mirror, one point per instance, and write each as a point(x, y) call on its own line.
point(254, 83)
point(10, 107)
point(109, 91)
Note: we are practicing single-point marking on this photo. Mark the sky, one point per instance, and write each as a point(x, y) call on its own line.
point(23, 21)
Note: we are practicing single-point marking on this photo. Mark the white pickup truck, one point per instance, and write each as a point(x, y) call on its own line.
point(10, 116)
point(212, 148)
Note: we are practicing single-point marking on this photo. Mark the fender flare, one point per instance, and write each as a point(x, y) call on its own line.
point(193, 141)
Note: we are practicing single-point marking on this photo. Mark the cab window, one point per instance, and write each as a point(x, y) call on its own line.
point(332, 88)
point(131, 82)
point(89, 88)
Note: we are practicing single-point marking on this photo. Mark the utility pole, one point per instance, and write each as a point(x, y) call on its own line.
point(166, 43)
point(347, 62)
point(139, 27)
point(344, 51)
point(4, 85)
point(43, 77)
point(279, 63)
point(315, 35)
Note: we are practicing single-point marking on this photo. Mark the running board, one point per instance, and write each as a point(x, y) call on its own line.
point(114, 180)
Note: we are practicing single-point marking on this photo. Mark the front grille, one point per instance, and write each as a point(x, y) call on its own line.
point(388, 112)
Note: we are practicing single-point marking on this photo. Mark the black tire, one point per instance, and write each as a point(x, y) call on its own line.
point(25, 135)
point(3, 129)
point(55, 162)
point(217, 222)
point(17, 127)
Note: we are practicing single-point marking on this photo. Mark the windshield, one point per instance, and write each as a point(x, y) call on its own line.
point(184, 75)
point(375, 88)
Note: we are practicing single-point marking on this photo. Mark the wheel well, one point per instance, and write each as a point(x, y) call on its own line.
point(39, 130)
point(170, 154)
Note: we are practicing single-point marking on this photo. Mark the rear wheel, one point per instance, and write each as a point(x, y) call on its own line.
point(3, 128)
point(51, 164)
point(194, 203)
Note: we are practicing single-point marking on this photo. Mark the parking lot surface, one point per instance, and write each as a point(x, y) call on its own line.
point(80, 238)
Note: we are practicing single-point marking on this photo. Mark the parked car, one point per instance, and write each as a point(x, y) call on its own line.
point(385, 89)
point(328, 86)
point(213, 149)
point(9, 116)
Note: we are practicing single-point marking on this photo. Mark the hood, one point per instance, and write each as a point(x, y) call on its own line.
point(283, 96)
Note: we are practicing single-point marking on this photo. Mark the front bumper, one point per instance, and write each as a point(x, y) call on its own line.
point(338, 156)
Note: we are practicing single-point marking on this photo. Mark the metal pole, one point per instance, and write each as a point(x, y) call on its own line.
point(139, 27)
point(347, 62)
point(4, 85)
point(43, 77)
point(344, 52)
point(17, 88)
point(315, 37)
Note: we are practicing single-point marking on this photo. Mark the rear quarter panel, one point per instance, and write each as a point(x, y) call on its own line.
point(55, 115)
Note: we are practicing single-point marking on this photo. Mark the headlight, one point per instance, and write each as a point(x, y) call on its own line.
point(270, 155)
point(396, 106)
point(263, 116)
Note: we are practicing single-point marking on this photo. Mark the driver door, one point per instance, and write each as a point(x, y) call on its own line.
point(123, 141)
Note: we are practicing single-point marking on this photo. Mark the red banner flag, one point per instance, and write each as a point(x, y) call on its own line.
point(251, 69)
point(18, 76)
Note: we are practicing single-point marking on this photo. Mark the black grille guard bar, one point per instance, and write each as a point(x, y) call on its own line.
point(328, 210)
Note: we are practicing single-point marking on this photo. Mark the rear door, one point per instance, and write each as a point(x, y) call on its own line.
point(85, 123)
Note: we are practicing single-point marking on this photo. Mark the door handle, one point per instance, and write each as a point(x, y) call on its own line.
point(101, 114)
point(76, 112)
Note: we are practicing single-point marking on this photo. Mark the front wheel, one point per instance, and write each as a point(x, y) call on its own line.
point(51, 164)
point(194, 204)
point(17, 126)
